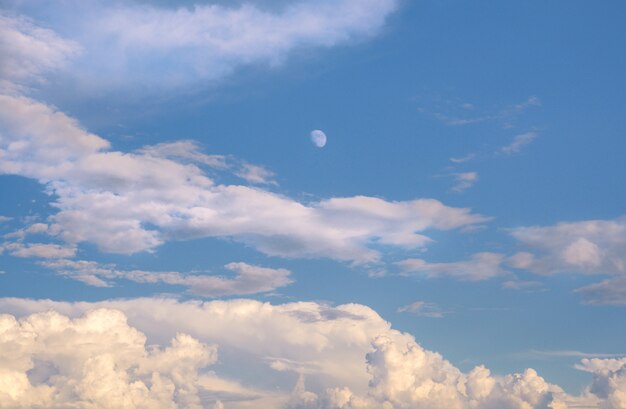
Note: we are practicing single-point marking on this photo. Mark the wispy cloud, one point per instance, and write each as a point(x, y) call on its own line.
point(463, 159)
point(519, 142)
point(464, 181)
point(248, 279)
point(571, 354)
point(423, 309)
point(480, 266)
point(456, 113)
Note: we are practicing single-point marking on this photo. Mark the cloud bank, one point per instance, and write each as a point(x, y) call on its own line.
point(92, 355)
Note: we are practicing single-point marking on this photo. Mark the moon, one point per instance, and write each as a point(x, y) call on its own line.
point(318, 138)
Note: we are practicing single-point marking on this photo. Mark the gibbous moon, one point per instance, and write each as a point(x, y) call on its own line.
point(318, 138)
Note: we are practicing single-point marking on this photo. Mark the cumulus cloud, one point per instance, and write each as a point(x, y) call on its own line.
point(130, 202)
point(126, 44)
point(248, 279)
point(355, 360)
point(593, 247)
point(609, 381)
point(97, 360)
point(481, 266)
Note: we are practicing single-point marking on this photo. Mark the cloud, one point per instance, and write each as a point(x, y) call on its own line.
point(97, 360)
point(463, 159)
point(27, 51)
point(481, 266)
point(130, 44)
point(464, 181)
point(249, 279)
point(572, 354)
point(131, 202)
point(609, 381)
point(423, 309)
point(519, 142)
point(592, 247)
point(355, 360)
point(4, 219)
point(256, 174)
point(39, 250)
point(453, 112)
point(184, 150)
point(611, 292)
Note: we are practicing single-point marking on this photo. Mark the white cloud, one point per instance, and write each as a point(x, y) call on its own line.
point(463, 159)
point(453, 112)
point(609, 381)
point(464, 181)
point(4, 219)
point(256, 174)
point(130, 202)
point(611, 291)
point(424, 309)
point(27, 51)
point(354, 360)
point(39, 250)
point(594, 247)
point(519, 142)
point(481, 266)
point(98, 360)
point(248, 279)
point(184, 150)
point(128, 44)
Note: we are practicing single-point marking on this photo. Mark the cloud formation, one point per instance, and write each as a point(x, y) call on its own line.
point(248, 279)
point(464, 181)
point(354, 360)
point(137, 43)
point(592, 247)
point(97, 360)
point(138, 200)
point(519, 142)
point(27, 51)
point(481, 266)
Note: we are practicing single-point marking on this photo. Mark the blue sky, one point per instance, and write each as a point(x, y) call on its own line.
point(156, 155)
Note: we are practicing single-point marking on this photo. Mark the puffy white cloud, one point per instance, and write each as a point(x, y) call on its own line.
point(95, 361)
point(249, 279)
point(131, 43)
point(352, 359)
point(130, 202)
point(609, 381)
point(481, 266)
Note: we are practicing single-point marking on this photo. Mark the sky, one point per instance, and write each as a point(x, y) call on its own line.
point(312, 204)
